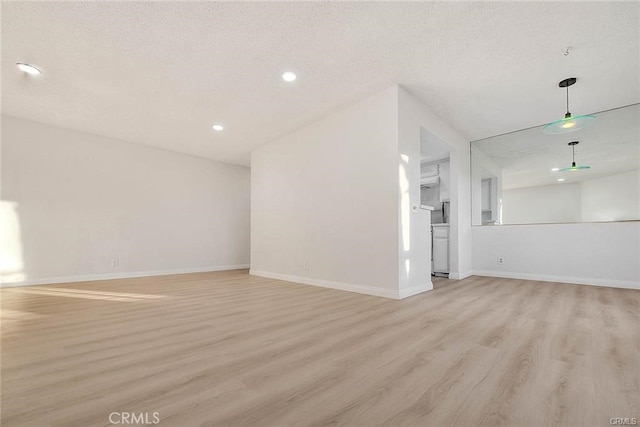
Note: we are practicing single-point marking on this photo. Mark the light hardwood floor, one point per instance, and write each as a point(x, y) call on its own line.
point(227, 348)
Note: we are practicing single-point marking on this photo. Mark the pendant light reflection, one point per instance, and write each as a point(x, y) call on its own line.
point(569, 123)
point(574, 167)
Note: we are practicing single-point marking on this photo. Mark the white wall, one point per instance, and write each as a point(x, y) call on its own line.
point(589, 253)
point(544, 204)
point(611, 198)
point(336, 203)
point(480, 167)
point(327, 195)
point(413, 115)
point(72, 202)
point(414, 242)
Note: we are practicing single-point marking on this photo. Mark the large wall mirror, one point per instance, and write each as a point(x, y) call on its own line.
point(528, 177)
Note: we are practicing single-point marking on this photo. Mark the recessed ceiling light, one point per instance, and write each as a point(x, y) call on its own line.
point(560, 179)
point(555, 169)
point(289, 76)
point(28, 68)
point(217, 127)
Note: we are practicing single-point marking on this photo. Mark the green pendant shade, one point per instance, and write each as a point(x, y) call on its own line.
point(574, 167)
point(569, 123)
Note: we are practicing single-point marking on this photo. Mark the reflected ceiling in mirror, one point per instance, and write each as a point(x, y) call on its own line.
point(524, 170)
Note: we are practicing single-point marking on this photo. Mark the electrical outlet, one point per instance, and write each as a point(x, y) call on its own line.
point(305, 265)
point(500, 260)
point(115, 263)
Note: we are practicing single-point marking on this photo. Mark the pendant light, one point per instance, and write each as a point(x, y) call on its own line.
point(569, 123)
point(573, 166)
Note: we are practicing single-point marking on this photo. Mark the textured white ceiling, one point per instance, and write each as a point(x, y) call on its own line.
point(610, 145)
point(160, 73)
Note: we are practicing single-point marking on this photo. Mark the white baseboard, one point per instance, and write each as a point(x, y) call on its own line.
point(414, 290)
point(561, 279)
point(460, 276)
point(122, 275)
point(361, 289)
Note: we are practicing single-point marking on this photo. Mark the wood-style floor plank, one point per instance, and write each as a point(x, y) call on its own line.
point(230, 349)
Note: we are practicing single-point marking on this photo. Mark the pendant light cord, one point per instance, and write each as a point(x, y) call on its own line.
point(568, 100)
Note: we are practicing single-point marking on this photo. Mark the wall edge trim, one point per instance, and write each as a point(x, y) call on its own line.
point(341, 286)
point(119, 275)
point(625, 284)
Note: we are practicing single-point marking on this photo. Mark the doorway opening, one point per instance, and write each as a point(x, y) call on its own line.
point(435, 193)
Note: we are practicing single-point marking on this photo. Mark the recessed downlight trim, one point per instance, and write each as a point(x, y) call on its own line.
point(555, 169)
point(217, 127)
point(28, 68)
point(560, 179)
point(289, 76)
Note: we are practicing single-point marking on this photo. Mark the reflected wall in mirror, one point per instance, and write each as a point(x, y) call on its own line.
point(518, 178)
